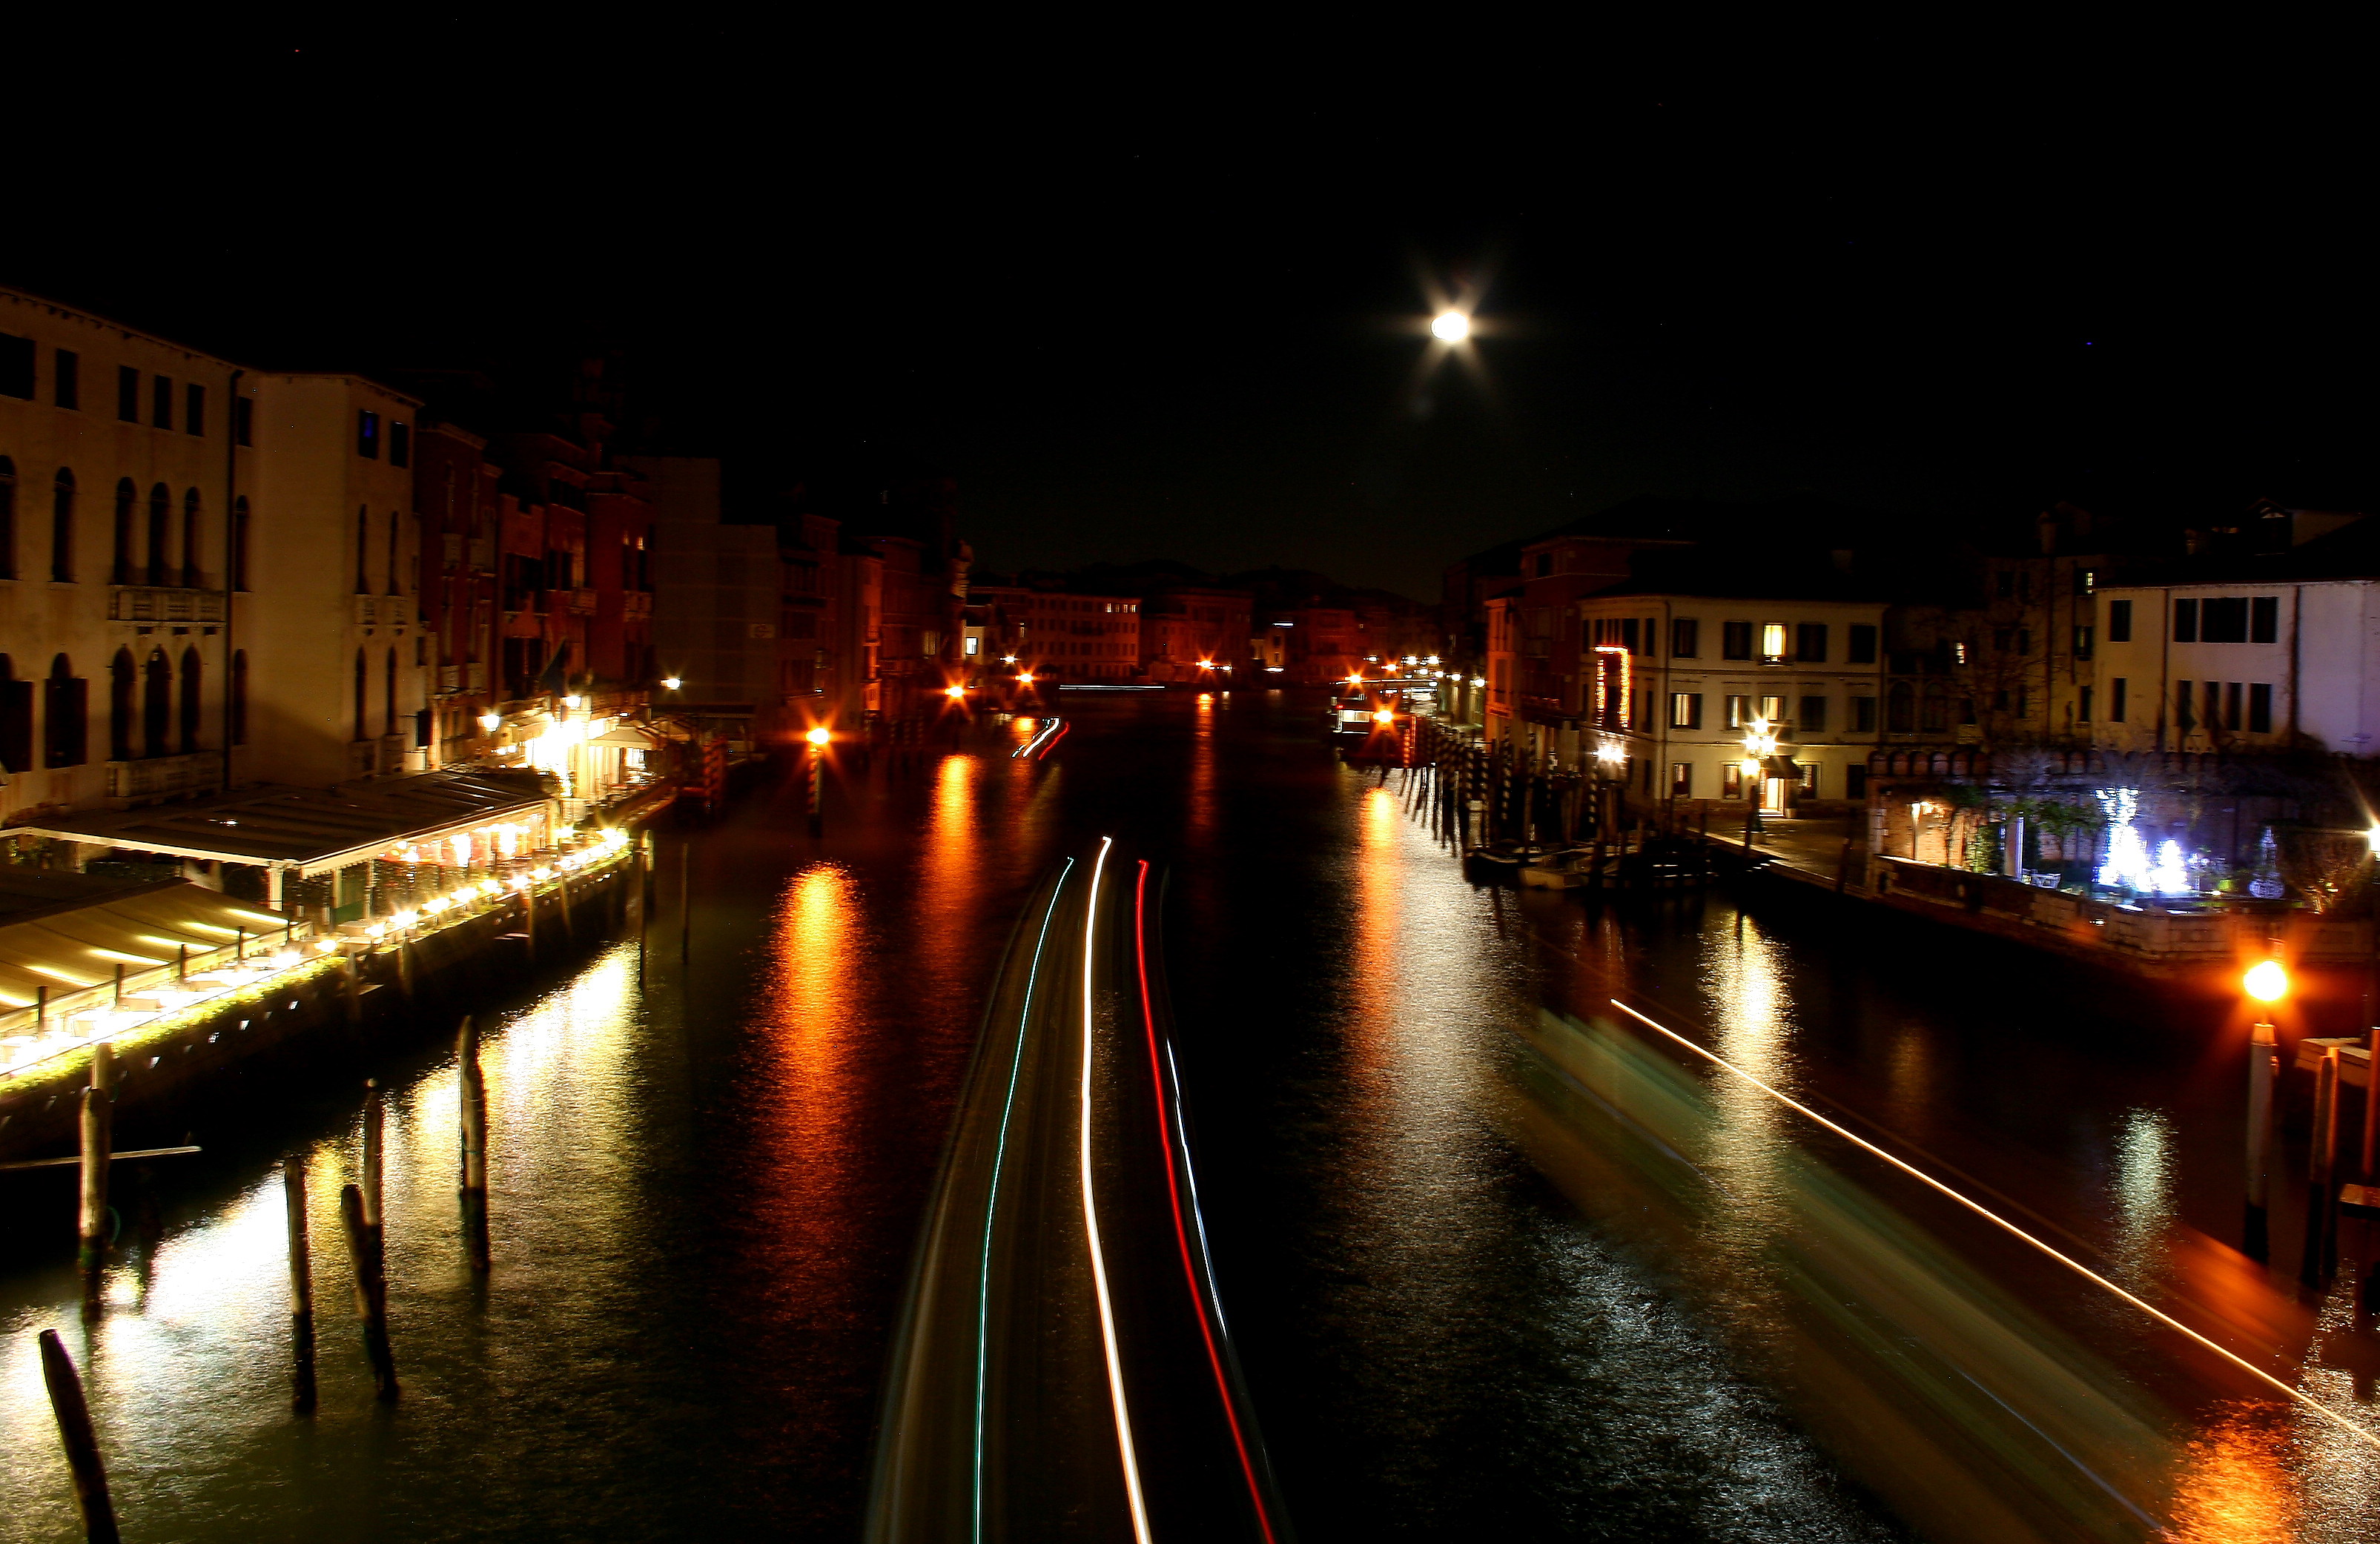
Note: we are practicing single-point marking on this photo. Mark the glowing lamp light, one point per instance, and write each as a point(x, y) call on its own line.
point(2266, 982)
point(1384, 717)
point(491, 722)
point(1206, 664)
point(1450, 326)
point(819, 736)
point(671, 684)
point(1025, 681)
point(1008, 660)
point(954, 693)
point(573, 700)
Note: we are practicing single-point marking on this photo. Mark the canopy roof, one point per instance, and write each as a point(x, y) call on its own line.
point(312, 830)
point(66, 931)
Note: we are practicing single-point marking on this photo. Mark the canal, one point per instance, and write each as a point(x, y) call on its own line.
point(1500, 1260)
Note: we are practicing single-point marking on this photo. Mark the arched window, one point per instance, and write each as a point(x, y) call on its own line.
point(193, 571)
point(239, 697)
point(391, 692)
point(8, 520)
point(394, 587)
point(16, 719)
point(192, 680)
point(237, 578)
point(1900, 708)
point(161, 521)
point(62, 532)
point(363, 724)
point(123, 686)
point(128, 502)
point(157, 705)
point(65, 708)
point(363, 555)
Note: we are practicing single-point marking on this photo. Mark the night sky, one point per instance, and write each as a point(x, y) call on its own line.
point(1165, 306)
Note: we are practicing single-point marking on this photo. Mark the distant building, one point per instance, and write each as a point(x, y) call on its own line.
point(1190, 634)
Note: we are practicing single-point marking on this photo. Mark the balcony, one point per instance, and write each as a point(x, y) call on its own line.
point(475, 677)
point(450, 679)
point(578, 603)
point(637, 603)
point(165, 776)
point(150, 603)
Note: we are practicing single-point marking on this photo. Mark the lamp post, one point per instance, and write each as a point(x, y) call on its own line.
point(2268, 983)
point(818, 739)
point(1759, 744)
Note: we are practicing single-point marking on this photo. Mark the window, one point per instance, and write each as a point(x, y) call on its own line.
point(1738, 712)
point(62, 544)
point(194, 409)
point(2260, 708)
point(1863, 714)
point(1735, 640)
point(2118, 689)
point(1772, 643)
point(390, 695)
point(1855, 780)
point(243, 421)
point(1730, 779)
point(16, 367)
point(1966, 710)
point(2213, 706)
point(2083, 637)
point(2185, 710)
point(400, 444)
point(161, 520)
point(15, 720)
point(2185, 622)
point(1934, 713)
point(2265, 619)
point(1809, 779)
point(239, 697)
point(395, 526)
point(2025, 587)
point(127, 393)
point(363, 555)
point(1773, 709)
point(2119, 621)
point(192, 546)
point(122, 687)
point(1685, 710)
point(1810, 643)
point(157, 705)
point(1685, 639)
point(974, 646)
point(367, 438)
point(363, 721)
point(161, 402)
point(191, 674)
point(66, 710)
point(1681, 780)
point(2231, 693)
point(66, 382)
point(1862, 644)
point(127, 501)
point(1628, 634)
point(2024, 640)
point(2082, 705)
point(8, 524)
point(237, 578)
point(1814, 715)
point(1545, 565)
point(1900, 708)
point(2222, 619)
point(2003, 640)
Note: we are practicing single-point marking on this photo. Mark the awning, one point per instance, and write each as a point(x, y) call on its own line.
point(1781, 767)
point(58, 931)
point(308, 830)
point(628, 735)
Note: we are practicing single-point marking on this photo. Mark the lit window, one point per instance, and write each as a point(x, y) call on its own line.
point(1772, 642)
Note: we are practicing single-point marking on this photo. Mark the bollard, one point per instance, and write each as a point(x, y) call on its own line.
point(374, 1121)
point(301, 1289)
point(75, 1435)
point(98, 1138)
point(2263, 1060)
point(367, 1251)
point(474, 1188)
point(562, 902)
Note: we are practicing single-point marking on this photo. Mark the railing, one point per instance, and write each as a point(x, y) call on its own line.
point(368, 610)
point(165, 776)
point(392, 753)
point(157, 603)
point(450, 678)
point(637, 603)
point(581, 602)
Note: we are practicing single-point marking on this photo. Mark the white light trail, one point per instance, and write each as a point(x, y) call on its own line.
point(1091, 1223)
point(2316, 1406)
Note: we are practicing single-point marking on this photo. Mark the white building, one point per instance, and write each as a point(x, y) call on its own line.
point(208, 574)
point(2238, 667)
point(1674, 682)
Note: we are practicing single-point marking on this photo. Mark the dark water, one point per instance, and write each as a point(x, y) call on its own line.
point(1461, 1316)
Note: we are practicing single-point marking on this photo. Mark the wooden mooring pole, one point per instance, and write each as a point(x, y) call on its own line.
point(73, 1412)
point(684, 903)
point(375, 1122)
point(98, 1137)
point(301, 1289)
point(2322, 1161)
point(368, 1252)
point(636, 900)
point(474, 1188)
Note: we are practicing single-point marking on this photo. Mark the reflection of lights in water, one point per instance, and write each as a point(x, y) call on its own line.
point(2144, 1188)
point(817, 1013)
point(2232, 1487)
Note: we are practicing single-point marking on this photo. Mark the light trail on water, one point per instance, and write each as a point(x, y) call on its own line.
point(2296, 1396)
point(992, 1202)
point(1091, 1223)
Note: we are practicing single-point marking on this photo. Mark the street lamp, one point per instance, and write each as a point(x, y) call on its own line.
point(491, 722)
point(2267, 983)
point(1759, 744)
point(1450, 326)
point(671, 684)
point(818, 736)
